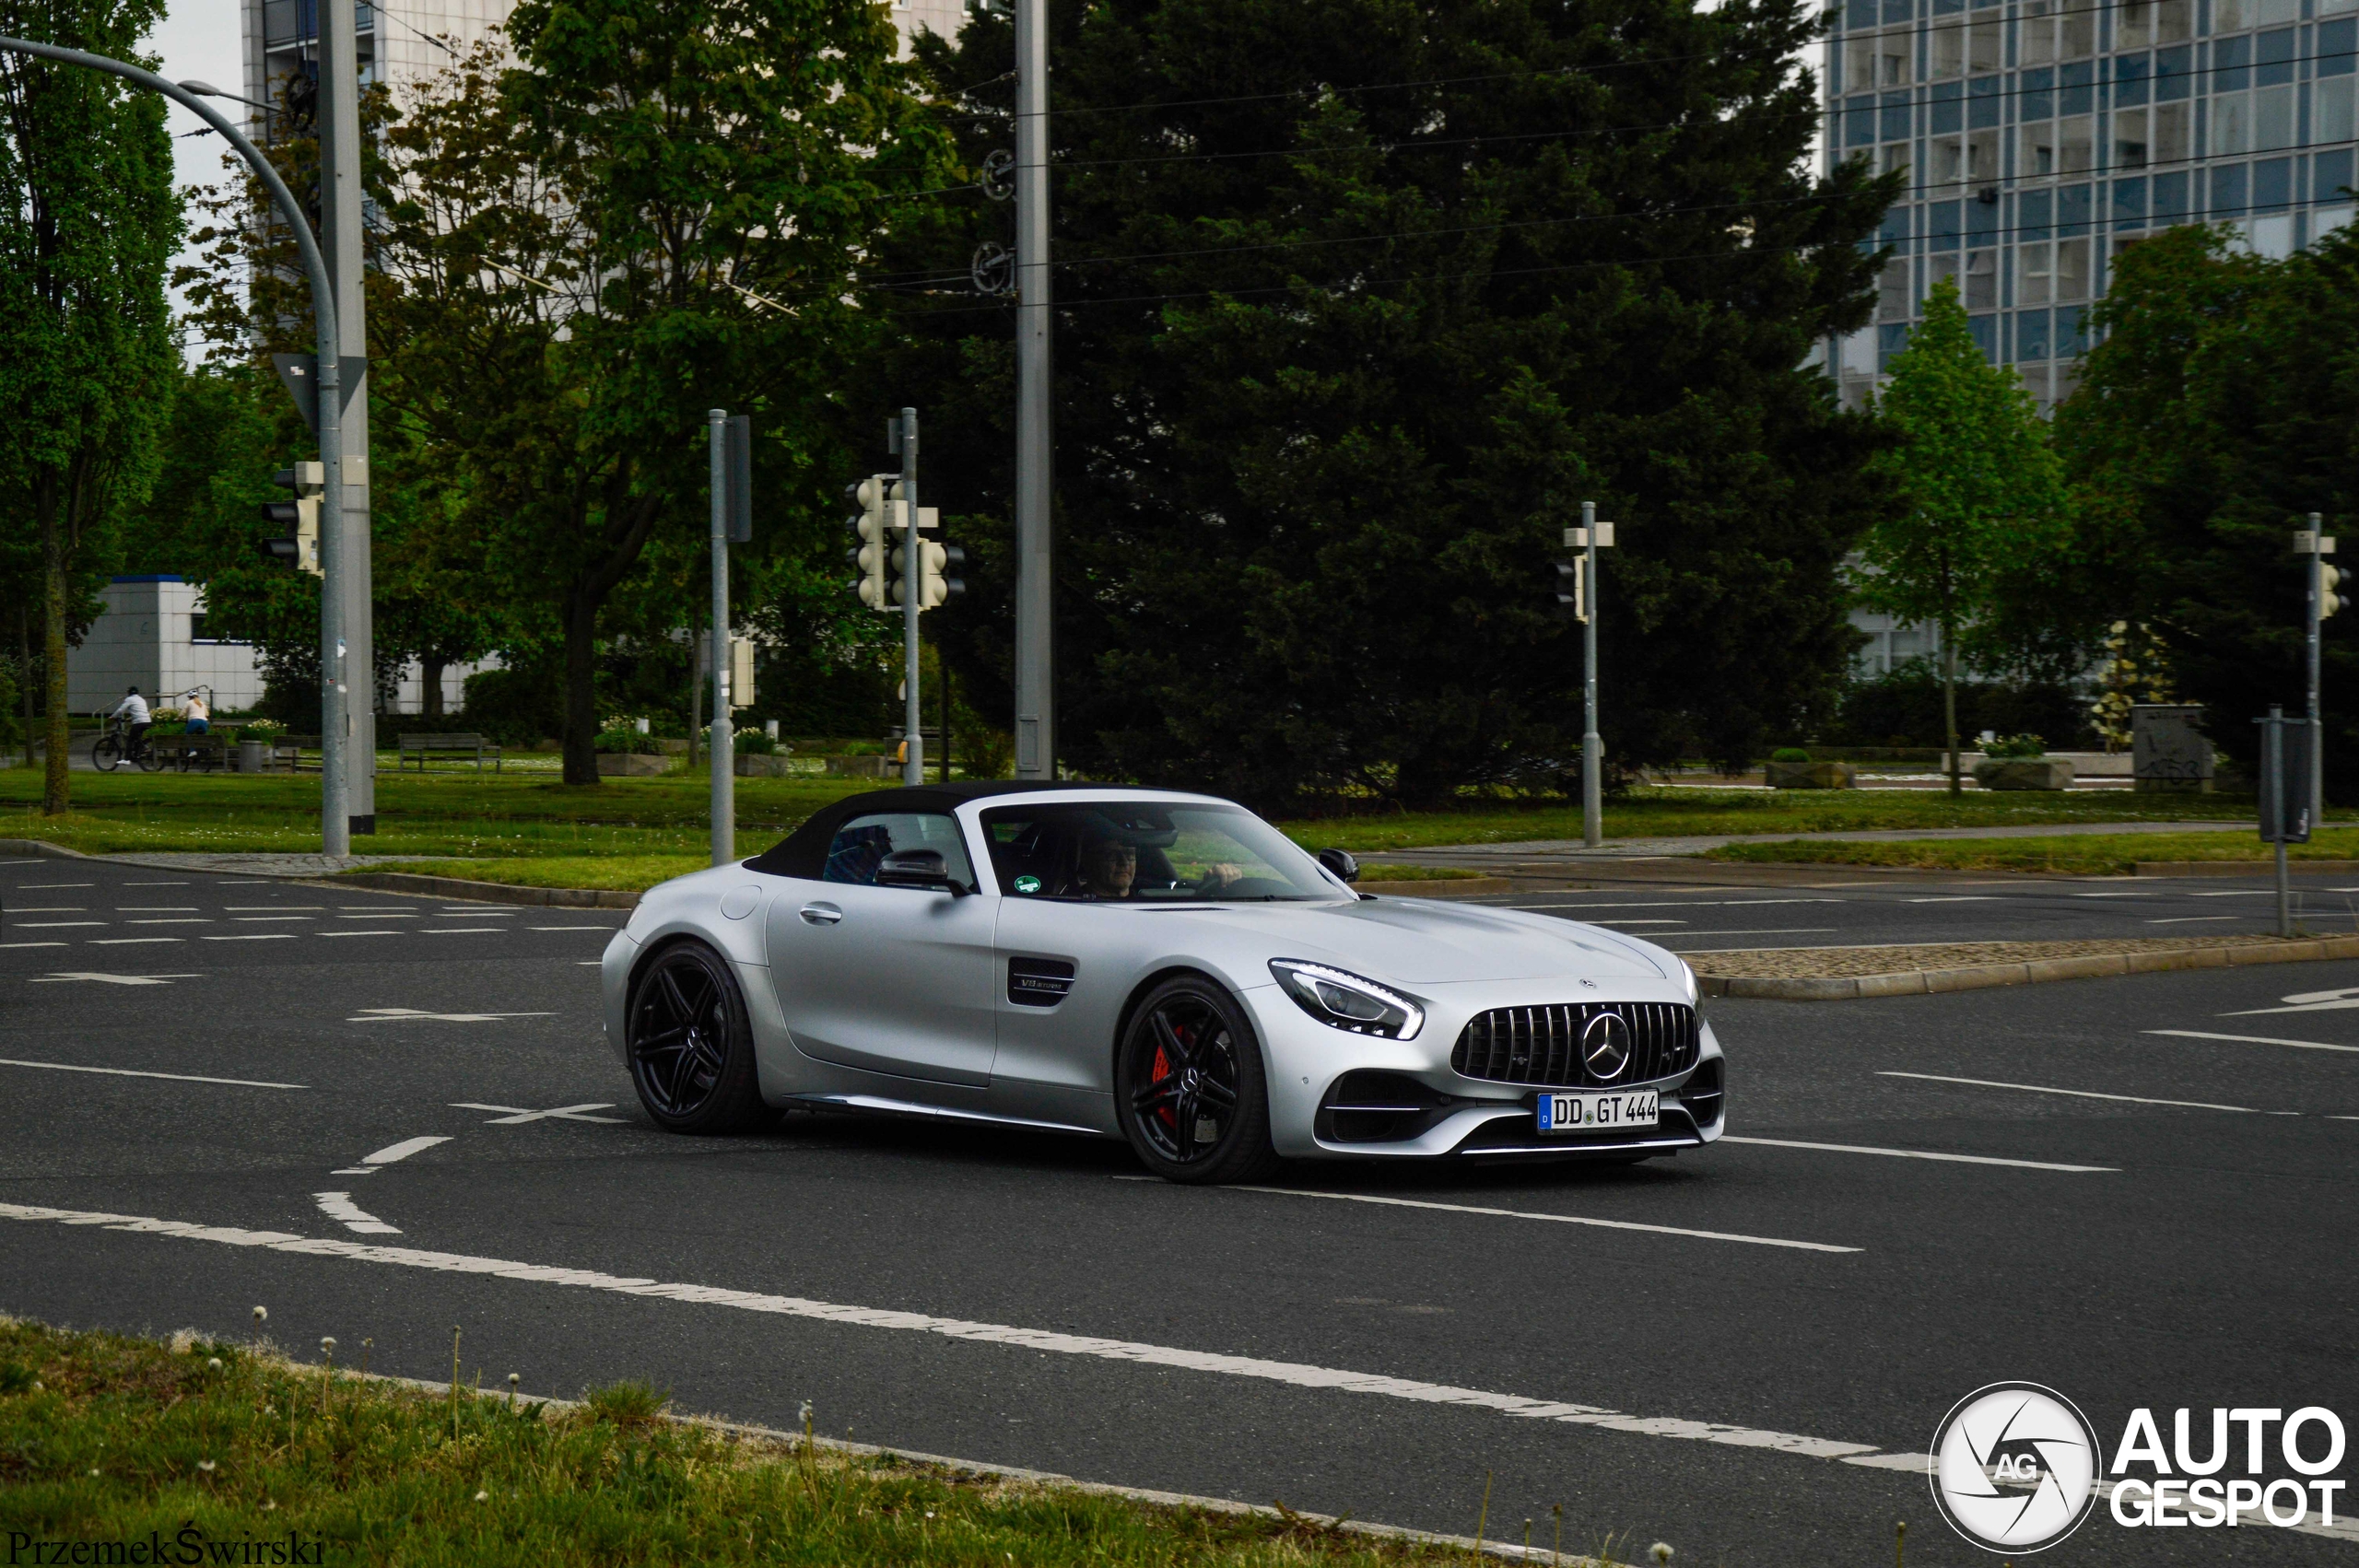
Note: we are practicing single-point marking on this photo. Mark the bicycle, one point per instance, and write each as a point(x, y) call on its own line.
point(114, 748)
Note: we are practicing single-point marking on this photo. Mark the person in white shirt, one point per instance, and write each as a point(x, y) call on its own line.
point(199, 717)
point(132, 710)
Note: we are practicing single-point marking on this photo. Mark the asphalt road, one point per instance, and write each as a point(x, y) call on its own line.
point(1031, 1302)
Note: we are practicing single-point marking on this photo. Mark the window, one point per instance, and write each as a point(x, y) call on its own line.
point(1981, 279)
point(2079, 32)
point(1982, 46)
point(1891, 290)
point(2071, 269)
point(2075, 145)
point(2036, 37)
point(1940, 267)
point(1894, 157)
point(1949, 52)
point(2129, 138)
point(1982, 158)
point(861, 844)
point(2272, 118)
point(2035, 284)
point(2135, 26)
point(2272, 236)
point(2036, 157)
point(2231, 123)
point(1948, 156)
point(2325, 220)
point(1148, 850)
point(2330, 105)
point(2030, 334)
point(2171, 138)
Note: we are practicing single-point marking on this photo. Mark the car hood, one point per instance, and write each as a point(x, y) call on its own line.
point(1416, 942)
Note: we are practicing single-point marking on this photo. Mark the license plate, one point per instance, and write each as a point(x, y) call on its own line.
point(1599, 1113)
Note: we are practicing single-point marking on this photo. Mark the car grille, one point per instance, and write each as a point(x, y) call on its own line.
point(1543, 1045)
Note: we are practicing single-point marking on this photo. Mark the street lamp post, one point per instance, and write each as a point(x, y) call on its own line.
point(335, 826)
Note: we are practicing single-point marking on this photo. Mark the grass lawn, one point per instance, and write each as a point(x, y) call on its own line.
point(2095, 854)
point(629, 834)
point(111, 1439)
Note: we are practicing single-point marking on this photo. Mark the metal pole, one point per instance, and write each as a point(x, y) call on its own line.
point(912, 582)
point(1036, 742)
point(340, 240)
point(1593, 744)
point(2272, 767)
point(334, 826)
point(722, 753)
point(2317, 727)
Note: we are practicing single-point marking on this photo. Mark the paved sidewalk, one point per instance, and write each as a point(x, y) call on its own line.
point(1641, 848)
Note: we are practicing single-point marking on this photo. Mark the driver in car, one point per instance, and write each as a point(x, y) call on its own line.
point(1108, 867)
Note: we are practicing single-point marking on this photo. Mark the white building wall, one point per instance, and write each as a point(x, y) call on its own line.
point(144, 638)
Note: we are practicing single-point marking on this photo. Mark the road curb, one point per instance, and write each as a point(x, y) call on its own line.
point(1438, 887)
point(2240, 868)
point(484, 892)
point(1979, 977)
point(41, 847)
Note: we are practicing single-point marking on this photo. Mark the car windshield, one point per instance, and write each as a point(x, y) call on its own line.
point(1147, 852)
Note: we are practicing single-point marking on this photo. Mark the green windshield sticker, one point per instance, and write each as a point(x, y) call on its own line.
point(1027, 885)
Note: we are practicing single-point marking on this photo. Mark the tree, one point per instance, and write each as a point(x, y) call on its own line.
point(1978, 487)
point(2219, 408)
point(662, 210)
point(87, 222)
point(1358, 301)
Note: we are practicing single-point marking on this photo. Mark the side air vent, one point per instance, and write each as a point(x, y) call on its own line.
point(1038, 982)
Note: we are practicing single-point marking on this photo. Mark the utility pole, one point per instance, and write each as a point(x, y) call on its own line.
point(1593, 744)
point(2323, 580)
point(1035, 741)
point(912, 600)
point(341, 232)
point(722, 752)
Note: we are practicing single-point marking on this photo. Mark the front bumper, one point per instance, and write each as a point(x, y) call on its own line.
point(1308, 1063)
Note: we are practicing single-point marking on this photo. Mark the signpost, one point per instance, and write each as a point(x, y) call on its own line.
point(2287, 804)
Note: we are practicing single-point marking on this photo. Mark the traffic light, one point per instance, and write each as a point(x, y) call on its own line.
point(935, 585)
point(299, 545)
point(1572, 604)
point(2328, 600)
point(873, 553)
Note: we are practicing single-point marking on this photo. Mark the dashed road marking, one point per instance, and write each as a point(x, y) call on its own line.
point(2249, 1039)
point(516, 1115)
point(393, 1152)
point(461, 931)
point(1553, 1218)
point(255, 936)
point(339, 1207)
point(2082, 1094)
point(128, 1072)
point(111, 980)
point(411, 1014)
point(1925, 1155)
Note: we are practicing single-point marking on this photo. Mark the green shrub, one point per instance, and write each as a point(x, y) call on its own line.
point(2016, 746)
point(755, 742)
point(1789, 754)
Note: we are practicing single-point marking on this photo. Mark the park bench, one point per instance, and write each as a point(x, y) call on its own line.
point(191, 754)
point(286, 752)
point(419, 747)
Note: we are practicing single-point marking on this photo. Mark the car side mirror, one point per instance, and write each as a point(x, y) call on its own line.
point(918, 867)
point(1340, 861)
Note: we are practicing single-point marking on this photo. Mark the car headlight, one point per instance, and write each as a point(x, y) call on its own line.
point(1687, 975)
point(1342, 999)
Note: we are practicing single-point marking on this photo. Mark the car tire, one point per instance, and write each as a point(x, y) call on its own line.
point(690, 1044)
point(1189, 1088)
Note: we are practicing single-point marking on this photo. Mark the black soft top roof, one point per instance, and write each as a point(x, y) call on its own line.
point(804, 852)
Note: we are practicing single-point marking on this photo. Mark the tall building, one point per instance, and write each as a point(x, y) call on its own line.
point(2044, 137)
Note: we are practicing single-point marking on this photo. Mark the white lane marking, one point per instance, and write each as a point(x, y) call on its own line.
point(479, 913)
point(1040, 1341)
point(2082, 1094)
point(394, 932)
point(579, 964)
point(1958, 898)
point(2198, 919)
point(517, 1115)
point(173, 920)
point(378, 909)
point(2306, 1001)
point(127, 1072)
point(462, 930)
point(53, 909)
point(2249, 1039)
point(1611, 920)
point(256, 936)
point(31, 886)
point(53, 925)
point(610, 928)
point(110, 979)
point(266, 920)
point(404, 1150)
point(156, 908)
point(131, 941)
point(1553, 1218)
point(1769, 931)
point(2113, 895)
point(1924, 1154)
point(1667, 903)
point(10, 945)
point(155, 884)
point(339, 1207)
point(2237, 893)
point(270, 908)
point(402, 1015)
point(389, 915)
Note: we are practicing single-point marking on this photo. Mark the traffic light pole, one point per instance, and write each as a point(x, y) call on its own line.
point(335, 827)
point(2317, 616)
point(340, 240)
point(722, 751)
point(1593, 744)
point(1036, 729)
point(912, 601)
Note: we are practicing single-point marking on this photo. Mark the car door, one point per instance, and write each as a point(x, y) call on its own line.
point(892, 979)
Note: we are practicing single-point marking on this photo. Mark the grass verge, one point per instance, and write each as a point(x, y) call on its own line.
point(1384, 871)
point(2095, 854)
point(617, 874)
point(112, 1439)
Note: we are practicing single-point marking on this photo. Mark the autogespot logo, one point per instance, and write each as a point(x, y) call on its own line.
point(2015, 1467)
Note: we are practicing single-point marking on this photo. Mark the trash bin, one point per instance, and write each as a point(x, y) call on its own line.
point(252, 756)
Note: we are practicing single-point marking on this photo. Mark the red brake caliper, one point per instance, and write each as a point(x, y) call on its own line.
point(1162, 1069)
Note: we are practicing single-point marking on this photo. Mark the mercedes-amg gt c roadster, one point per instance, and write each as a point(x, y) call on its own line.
point(1152, 966)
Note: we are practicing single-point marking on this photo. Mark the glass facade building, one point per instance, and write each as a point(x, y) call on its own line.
point(2043, 137)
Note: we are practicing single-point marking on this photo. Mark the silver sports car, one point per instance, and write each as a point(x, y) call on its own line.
point(1152, 966)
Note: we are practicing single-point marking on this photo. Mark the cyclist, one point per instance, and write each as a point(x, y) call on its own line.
point(199, 717)
point(132, 711)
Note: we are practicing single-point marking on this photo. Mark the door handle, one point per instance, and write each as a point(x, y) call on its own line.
point(820, 914)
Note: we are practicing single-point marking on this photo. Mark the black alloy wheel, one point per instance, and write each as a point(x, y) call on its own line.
point(690, 1045)
point(1188, 1082)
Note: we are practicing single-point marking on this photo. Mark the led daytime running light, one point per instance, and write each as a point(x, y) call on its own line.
point(1399, 1018)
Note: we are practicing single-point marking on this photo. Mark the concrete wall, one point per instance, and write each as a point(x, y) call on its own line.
point(144, 638)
